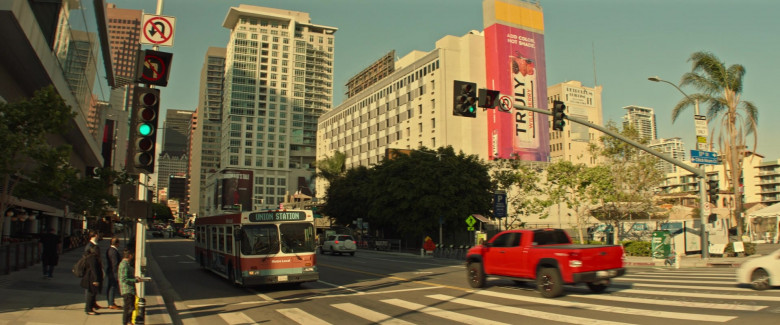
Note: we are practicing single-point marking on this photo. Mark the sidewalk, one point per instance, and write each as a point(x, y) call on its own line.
point(27, 298)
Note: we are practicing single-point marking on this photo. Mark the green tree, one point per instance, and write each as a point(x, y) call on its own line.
point(331, 168)
point(26, 156)
point(634, 176)
point(721, 90)
point(406, 196)
point(520, 180)
point(161, 212)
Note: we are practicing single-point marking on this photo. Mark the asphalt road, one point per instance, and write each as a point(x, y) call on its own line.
point(374, 287)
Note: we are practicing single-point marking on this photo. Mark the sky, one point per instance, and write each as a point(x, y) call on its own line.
point(616, 44)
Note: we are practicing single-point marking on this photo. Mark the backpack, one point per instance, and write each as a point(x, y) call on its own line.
point(80, 267)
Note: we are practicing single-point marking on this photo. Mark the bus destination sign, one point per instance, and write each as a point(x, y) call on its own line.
point(276, 216)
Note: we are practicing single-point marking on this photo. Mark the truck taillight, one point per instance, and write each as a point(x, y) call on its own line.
point(574, 259)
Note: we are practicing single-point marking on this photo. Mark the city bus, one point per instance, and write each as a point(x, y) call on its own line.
point(258, 247)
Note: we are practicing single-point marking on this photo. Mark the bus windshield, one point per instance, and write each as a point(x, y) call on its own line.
point(297, 238)
point(260, 240)
point(264, 239)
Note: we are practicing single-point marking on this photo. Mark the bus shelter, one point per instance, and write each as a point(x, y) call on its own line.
point(763, 224)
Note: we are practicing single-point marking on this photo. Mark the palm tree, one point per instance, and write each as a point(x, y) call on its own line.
point(721, 89)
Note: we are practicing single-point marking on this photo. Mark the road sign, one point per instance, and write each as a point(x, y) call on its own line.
point(157, 30)
point(499, 205)
point(704, 157)
point(153, 67)
point(470, 221)
point(505, 103)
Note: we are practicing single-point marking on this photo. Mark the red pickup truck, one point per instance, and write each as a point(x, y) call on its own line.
point(546, 256)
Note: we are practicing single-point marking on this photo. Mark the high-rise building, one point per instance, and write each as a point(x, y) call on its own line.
point(572, 144)
point(167, 165)
point(672, 147)
point(278, 81)
point(643, 119)
point(204, 159)
point(175, 132)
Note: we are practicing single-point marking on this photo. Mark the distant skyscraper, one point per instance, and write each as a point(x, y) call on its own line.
point(672, 147)
point(175, 132)
point(204, 158)
point(279, 80)
point(643, 119)
point(168, 165)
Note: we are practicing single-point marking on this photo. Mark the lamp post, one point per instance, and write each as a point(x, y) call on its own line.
point(702, 180)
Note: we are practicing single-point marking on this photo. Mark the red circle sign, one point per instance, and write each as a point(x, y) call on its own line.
point(158, 25)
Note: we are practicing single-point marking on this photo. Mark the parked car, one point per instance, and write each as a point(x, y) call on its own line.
point(339, 244)
point(760, 273)
point(546, 256)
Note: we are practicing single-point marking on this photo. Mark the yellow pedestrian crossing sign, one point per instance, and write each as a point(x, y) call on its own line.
point(470, 221)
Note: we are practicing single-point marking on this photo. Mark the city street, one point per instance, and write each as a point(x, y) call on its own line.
point(375, 287)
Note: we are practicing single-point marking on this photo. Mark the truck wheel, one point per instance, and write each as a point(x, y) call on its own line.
point(549, 282)
point(475, 275)
point(759, 280)
point(597, 287)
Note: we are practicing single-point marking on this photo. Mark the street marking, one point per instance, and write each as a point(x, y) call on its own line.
point(301, 317)
point(609, 309)
point(262, 296)
point(625, 278)
point(677, 276)
point(700, 295)
point(395, 277)
point(236, 318)
point(370, 315)
point(667, 287)
point(190, 257)
point(691, 304)
point(340, 287)
point(524, 312)
point(452, 316)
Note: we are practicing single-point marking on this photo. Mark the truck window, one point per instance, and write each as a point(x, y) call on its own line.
point(549, 237)
point(510, 239)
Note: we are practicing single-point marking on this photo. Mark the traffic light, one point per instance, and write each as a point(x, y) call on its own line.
point(487, 98)
point(712, 191)
point(465, 99)
point(147, 107)
point(559, 114)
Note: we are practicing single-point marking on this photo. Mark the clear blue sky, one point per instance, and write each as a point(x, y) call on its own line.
point(633, 40)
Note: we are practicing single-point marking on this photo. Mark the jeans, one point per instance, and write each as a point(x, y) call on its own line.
point(48, 270)
point(112, 290)
point(128, 307)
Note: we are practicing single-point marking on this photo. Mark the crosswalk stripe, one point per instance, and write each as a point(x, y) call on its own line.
point(677, 276)
point(676, 286)
point(701, 295)
point(301, 317)
point(370, 315)
point(628, 278)
point(691, 304)
point(524, 312)
point(452, 316)
point(236, 318)
point(609, 309)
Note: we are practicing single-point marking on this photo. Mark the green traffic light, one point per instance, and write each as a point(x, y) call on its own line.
point(145, 129)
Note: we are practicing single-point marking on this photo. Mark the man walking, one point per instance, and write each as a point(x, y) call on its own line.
point(51, 248)
point(92, 245)
point(112, 267)
point(127, 286)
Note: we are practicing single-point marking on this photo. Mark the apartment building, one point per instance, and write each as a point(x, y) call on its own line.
point(573, 143)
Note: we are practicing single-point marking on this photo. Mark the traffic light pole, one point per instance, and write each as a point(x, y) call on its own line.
point(699, 172)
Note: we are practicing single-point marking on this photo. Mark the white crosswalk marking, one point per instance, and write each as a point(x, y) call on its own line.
point(370, 315)
point(301, 317)
point(236, 318)
point(452, 316)
point(678, 286)
point(524, 312)
point(702, 295)
point(691, 304)
point(609, 309)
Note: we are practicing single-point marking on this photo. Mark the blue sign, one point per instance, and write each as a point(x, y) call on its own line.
point(499, 205)
point(704, 157)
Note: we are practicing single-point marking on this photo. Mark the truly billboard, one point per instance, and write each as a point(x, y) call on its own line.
point(515, 65)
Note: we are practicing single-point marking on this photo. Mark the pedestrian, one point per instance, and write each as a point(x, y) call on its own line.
point(94, 236)
point(113, 257)
point(127, 282)
point(92, 281)
point(51, 248)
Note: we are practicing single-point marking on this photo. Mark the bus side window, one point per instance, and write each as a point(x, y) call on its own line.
point(229, 244)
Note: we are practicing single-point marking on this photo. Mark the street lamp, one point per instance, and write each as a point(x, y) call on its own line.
point(702, 181)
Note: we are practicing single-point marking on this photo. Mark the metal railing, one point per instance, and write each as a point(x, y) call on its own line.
point(16, 256)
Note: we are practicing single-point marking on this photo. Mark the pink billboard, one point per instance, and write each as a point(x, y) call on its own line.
point(515, 66)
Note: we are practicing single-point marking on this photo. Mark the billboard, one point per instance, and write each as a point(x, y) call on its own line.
point(236, 186)
point(515, 66)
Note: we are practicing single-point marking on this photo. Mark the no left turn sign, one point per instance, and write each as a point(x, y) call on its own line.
point(158, 30)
